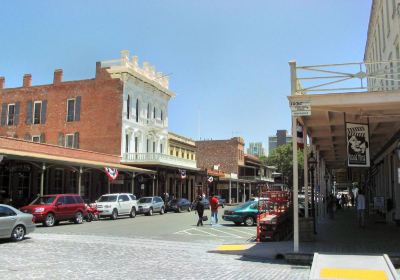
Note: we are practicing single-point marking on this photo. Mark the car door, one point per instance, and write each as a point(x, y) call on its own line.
point(123, 200)
point(60, 208)
point(8, 219)
point(70, 206)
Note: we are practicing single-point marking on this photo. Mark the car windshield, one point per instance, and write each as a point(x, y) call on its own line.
point(145, 200)
point(43, 200)
point(246, 204)
point(108, 198)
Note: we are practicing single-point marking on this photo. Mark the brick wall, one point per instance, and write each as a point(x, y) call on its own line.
point(99, 124)
point(228, 153)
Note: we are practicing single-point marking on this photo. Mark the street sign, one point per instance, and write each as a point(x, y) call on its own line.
point(300, 108)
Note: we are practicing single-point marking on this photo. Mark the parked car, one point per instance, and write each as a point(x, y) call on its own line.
point(179, 205)
point(150, 204)
point(117, 204)
point(14, 224)
point(51, 209)
point(205, 202)
point(221, 201)
point(244, 213)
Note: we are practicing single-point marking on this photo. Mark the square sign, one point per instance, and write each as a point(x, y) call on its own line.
point(300, 108)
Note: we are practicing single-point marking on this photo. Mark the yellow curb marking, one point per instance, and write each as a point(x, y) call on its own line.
point(234, 247)
point(360, 274)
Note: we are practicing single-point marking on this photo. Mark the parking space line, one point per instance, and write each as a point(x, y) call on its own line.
point(244, 232)
point(231, 234)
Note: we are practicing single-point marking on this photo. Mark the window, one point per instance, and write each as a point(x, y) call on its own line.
point(61, 200)
point(161, 115)
point(137, 110)
point(73, 109)
point(154, 112)
point(161, 148)
point(177, 153)
point(70, 110)
point(69, 200)
point(136, 144)
point(192, 156)
point(36, 138)
point(37, 112)
point(148, 145)
point(11, 114)
point(126, 143)
point(5, 212)
point(148, 111)
point(123, 197)
point(154, 147)
point(69, 140)
point(132, 197)
point(128, 103)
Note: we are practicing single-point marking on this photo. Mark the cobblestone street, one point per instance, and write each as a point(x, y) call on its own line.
point(59, 256)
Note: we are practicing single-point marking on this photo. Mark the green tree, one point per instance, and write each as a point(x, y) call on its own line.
point(282, 159)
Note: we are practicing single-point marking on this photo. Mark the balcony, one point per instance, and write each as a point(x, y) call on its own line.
point(157, 158)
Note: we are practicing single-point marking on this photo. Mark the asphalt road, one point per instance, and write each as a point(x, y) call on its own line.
point(168, 246)
point(170, 226)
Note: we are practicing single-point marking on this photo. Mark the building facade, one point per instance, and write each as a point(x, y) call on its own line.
point(256, 149)
point(281, 138)
point(382, 50)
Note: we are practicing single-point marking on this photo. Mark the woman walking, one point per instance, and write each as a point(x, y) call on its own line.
point(199, 207)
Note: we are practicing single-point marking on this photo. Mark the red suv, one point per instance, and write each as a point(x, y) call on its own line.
point(51, 209)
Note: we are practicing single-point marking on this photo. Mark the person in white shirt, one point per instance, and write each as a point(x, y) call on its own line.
point(361, 208)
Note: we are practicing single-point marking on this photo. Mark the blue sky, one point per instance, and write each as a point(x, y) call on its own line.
point(227, 59)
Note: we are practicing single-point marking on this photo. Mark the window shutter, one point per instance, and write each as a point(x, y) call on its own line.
point(61, 141)
point(76, 140)
point(42, 138)
point(4, 109)
point(28, 119)
point(16, 115)
point(27, 137)
point(78, 108)
point(43, 113)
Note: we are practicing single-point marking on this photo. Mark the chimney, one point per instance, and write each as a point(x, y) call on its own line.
point(57, 76)
point(27, 82)
point(2, 82)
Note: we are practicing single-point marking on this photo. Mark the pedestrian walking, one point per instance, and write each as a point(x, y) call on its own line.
point(214, 208)
point(343, 201)
point(199, 207)
point(361, 209)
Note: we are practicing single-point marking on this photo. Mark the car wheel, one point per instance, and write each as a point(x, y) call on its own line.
point(18, 233)
point(162, 211)
point(114, 214)
point(50, 220)
point(78, 219)
point(249, 221)
point(238, 223)
point(90, 217)
point(133, 213)
point(151, 212)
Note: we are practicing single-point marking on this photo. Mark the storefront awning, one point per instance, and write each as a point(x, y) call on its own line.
point(63, 160)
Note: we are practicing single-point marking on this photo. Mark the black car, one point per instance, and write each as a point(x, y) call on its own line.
point(205, 202)
point(179, 205)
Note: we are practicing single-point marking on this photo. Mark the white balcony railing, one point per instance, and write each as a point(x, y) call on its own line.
point(158, 158)
point(153, 122)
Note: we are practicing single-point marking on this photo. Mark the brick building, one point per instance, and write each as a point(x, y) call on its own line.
point(242, 173)
point(122, 111)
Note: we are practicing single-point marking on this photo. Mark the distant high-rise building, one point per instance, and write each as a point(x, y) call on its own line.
point(256, 149)
point(281, 138)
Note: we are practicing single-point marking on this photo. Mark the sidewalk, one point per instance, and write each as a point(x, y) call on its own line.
point(340, 236)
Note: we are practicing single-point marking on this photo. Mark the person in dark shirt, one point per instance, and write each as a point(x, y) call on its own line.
point(200, 210)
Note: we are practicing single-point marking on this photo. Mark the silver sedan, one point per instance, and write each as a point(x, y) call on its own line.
point(14, 224)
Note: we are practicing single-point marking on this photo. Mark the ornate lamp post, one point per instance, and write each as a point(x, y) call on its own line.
point(311, 166)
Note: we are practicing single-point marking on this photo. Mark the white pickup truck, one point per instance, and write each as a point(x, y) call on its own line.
point(117, 204)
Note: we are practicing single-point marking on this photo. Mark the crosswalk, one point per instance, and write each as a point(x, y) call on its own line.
point(220, 231)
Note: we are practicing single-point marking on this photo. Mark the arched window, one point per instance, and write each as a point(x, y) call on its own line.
point(128, 105)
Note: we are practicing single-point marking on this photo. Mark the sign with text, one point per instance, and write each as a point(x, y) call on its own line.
point(300, 108)
point(357, 145)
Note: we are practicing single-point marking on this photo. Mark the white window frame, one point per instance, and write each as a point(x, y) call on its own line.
point(34, 111)
point(36, 136)
point(66, 140)
point(73, 118)
point(8, 114)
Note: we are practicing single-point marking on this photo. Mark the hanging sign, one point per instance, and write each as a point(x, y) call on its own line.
point(210, 179)
point(357, 145)
point(183, 173)
point(112, 173)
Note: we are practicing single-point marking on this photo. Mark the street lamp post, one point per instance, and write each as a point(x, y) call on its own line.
point(311, 163)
